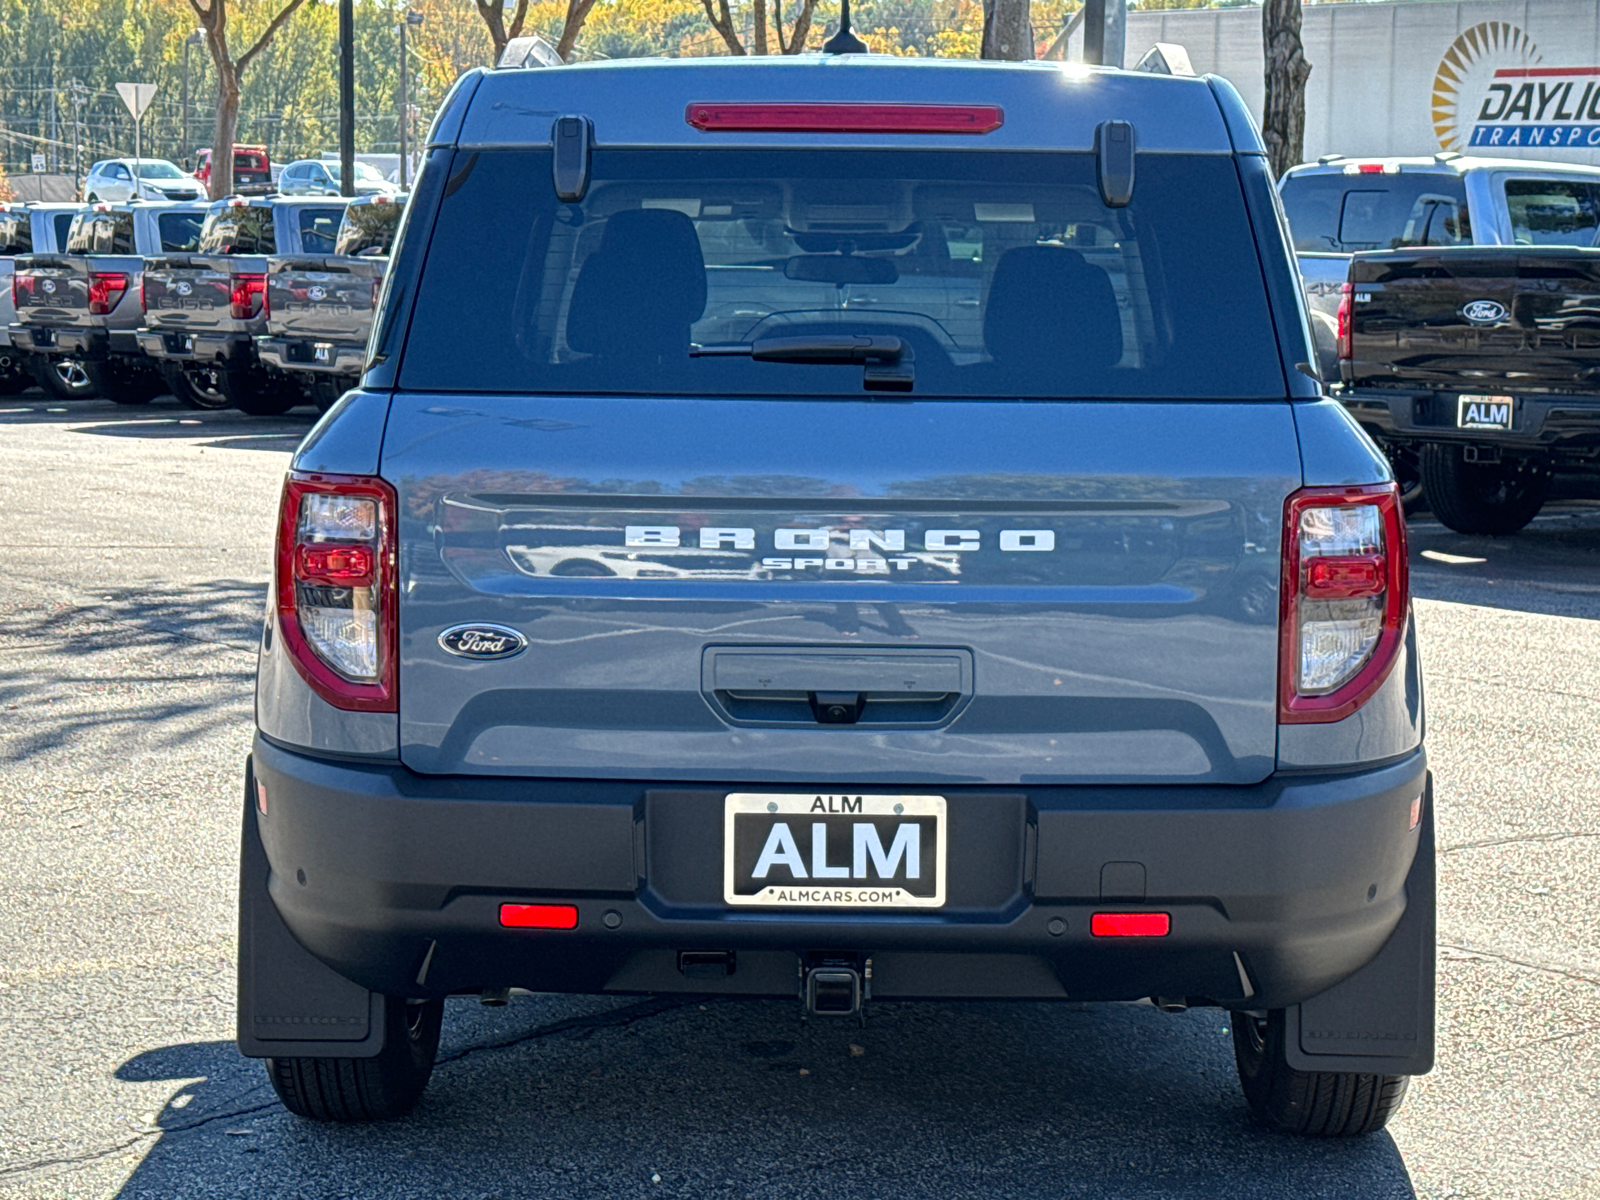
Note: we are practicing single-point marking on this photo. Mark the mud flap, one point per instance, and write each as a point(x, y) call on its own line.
point(1380, 1020)
point(290, 1004)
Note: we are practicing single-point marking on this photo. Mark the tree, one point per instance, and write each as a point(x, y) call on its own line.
point(1283, 113)
point(230, 72)
point(494, 16)
point(1007, 30)
point(722, 20)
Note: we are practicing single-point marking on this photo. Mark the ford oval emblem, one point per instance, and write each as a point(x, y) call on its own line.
point(317, 293)
point(49, 285)
point(1484, 312)
point(482, 641)
point(183, 288)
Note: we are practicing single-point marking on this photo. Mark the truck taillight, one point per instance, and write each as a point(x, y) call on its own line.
point(336, 587)
point(106, 288)
point(1346, 315)
point(21, 290)
point(248, 296)
point(1346, 594)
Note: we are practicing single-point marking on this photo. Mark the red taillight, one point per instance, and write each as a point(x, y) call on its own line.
point(248, 296)
point(1342, 339)
point(105, 290)
point(539, 916)
point(21, 290)
point(845, 118)
point(1130, 924)
point(1345, 598)
point(1372, 169)
point(335, 588)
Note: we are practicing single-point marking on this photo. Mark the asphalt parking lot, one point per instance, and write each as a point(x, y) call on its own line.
point(132, 571)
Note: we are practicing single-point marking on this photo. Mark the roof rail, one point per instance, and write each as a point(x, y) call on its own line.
point(1446, 156)
point(1324, 159)
point(530, 51)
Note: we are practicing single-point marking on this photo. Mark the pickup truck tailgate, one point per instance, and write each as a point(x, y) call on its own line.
point(330, 298)
point(193, 292)
point(987, 591)
point(1477, 319)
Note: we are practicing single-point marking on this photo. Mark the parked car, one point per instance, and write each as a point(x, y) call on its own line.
point(252, 169)
point(85, 304)
point(949, 697)
point(25, 229)
point(203, 310)
point(1337, 206)
point(1482, 363)
point(319, 308)
point(313, 177)
point(120, 179)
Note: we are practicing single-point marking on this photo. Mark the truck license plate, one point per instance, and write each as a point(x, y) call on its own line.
point(1483, 412)
point(848, 851)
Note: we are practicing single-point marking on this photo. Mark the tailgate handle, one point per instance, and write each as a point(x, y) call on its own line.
point(838, 688)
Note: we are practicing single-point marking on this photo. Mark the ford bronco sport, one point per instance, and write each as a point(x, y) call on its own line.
point(849, 529)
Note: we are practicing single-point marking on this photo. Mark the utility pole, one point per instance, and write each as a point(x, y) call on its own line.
point(79, 95)
point(347, 97)
point(55, 131)
point(412, 17)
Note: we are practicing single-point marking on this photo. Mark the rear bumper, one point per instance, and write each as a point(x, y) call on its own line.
point(236, 350)
point(1276, 892)
point(1568, 426)
point(309, 354)
point(84, 345)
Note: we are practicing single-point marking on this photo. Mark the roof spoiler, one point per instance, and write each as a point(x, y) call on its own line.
point(530, 51)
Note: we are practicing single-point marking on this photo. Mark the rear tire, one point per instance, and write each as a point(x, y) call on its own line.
point(121, 384)
point(366, 1089)
point(258, 394)
point(1309, 1103)
point(1482, 498)
point(63, 378)
point(197, 387)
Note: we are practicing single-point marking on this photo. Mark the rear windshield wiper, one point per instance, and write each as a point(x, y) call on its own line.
point(886, 361)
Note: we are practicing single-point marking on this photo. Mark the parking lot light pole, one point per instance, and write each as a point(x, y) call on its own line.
point(347, 98)
point(412, 18)
point(189, 43)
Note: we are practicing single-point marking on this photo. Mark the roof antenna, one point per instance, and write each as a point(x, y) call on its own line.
point(844, 42)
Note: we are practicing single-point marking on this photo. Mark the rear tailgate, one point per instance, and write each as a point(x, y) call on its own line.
point(52, 290)
point(192, 293)
point(1077, 594)
point(328, 298)
point(1477, 319)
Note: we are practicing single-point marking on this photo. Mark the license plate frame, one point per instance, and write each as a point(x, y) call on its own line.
point(1494, 414)
point(761, 812)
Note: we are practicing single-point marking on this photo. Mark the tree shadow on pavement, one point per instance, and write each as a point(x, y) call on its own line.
point(696, 1097)
point(166, 659)
point(1551, 567)
point(164, 418)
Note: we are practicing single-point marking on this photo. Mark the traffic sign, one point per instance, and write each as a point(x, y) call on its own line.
point(137, 97)
point(39, 164)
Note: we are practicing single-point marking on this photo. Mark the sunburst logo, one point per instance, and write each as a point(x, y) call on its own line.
point(1467, 73)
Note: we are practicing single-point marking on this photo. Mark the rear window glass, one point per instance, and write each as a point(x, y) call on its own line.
point(319, 229)
point(1343, 213)
point(180, 231)
point(1003, 274)
point(63, 226)
point(101, 233)
point(239, 229)
point(1547, 212)
point(368, 230)
point(16, 233)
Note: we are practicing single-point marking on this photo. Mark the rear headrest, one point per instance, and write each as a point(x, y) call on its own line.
point(640, 291)
point(1047, 305)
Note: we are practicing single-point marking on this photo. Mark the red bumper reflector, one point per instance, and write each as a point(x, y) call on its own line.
point(1416, 814)
point(1130, 924)
point(539, 916)
point(846, 118)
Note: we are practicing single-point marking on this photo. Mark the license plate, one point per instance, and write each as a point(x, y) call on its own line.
point(821, 851)
point(322, 352)
point(1483, 412)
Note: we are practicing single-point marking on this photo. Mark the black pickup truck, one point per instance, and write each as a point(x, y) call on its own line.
point(1478, 368)
point(319, 307)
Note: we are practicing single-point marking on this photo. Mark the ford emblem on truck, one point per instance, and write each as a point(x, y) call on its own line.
point(482, 641)
point(1484, 312)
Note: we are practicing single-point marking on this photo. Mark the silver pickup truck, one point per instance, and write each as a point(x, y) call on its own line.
point(1337, 206)
point(26, 229)
point(319, 307)
point(203, 311)
point(83, 305)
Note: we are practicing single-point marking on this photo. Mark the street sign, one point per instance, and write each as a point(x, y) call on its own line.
point(137, 97)
point(39, 164)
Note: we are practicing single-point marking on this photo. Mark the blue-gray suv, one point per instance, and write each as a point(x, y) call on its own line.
point(849, 529)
